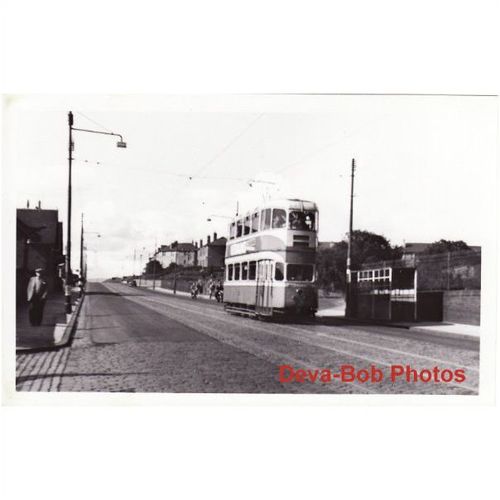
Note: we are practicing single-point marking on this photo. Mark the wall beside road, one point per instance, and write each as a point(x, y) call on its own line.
point(462, 306)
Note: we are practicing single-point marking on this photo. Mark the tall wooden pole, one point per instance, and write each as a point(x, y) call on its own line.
point(81, 250)
point(68, 284)
point(349, 246)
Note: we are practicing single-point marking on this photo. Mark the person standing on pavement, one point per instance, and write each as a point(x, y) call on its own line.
point(37, 295)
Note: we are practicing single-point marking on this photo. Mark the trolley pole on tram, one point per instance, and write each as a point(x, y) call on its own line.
point(348, 309)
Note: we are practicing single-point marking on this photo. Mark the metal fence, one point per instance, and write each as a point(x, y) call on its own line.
point(449, 271)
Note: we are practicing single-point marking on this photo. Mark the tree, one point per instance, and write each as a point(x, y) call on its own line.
point(366, 247)
point(153, 267)
point(171, 267)
point(331, 265)
point(443, 246)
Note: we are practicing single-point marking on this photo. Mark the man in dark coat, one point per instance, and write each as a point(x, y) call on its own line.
point(37, 295)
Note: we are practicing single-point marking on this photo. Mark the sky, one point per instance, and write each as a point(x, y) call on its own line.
point(425, 166)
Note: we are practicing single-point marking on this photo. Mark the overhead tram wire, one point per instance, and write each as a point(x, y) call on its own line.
point(175, 174)
point(196, 175)
point(93, 121)
point(226, 147)
point(324, 147)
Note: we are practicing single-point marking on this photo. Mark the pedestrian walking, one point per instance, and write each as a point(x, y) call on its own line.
point(219, 291)
point(81, 286)
point(194, 290)
point(211, 288)
point(37, 295)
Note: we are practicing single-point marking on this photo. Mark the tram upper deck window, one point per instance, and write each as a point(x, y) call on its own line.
point(300, 272)
point(279, 218)
point(239, 228)
point(265, 219)
point(232, 231)
point(255, 222)
point(302, 221)
point(279, 271)
point(246, 225)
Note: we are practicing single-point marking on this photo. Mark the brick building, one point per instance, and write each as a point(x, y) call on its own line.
point(182, 254)
point(39, 243)
point(213, 252)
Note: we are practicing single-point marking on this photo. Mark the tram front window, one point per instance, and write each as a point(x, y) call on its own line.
point(265, 219)
point(300, 272)
point(279, 218)
point(302, 221)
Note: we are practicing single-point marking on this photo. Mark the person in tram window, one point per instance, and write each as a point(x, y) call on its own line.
point(279, 218)
point(297, 221)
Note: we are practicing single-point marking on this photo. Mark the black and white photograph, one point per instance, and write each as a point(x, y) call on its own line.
point(249, 250)
point(252, 244)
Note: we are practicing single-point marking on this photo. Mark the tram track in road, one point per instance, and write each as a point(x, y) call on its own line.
point(351, 354)
point(339, 336)
point(289, 333)
point(259, 350)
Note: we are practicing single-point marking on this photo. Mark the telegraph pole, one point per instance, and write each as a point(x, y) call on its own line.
point(81, 250)
point(154, 266)
point(67, 267)
point(348, 311)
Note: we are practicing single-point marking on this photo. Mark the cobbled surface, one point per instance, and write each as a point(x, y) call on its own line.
point(138, 341)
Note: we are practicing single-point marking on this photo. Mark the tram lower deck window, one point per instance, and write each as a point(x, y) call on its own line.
point(279, 271)
point(244, 271)
point(237, 271)
point(300, 272)
point(230, 272)
point(252, 270)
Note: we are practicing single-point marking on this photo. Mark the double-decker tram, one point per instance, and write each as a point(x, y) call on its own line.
point(270, 260)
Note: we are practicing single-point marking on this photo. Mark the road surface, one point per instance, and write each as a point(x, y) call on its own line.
point(136, 340)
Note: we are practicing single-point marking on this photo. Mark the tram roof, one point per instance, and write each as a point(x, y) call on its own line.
point(289, 203)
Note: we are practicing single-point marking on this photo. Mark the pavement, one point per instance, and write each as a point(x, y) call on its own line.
point(136, 340)
point(51, 332)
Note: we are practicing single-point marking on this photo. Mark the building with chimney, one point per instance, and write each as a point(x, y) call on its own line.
point(182, 254)
point(39, 243)
point(212, 253)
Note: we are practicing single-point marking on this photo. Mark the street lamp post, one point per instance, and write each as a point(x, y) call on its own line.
point(67, 267)
point(67, 262)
